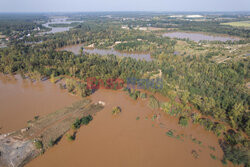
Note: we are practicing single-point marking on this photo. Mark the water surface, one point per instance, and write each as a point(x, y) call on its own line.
point(124, 141)
point(77, 48)
point(60, 20)
point(199, 36)
point(21, 100)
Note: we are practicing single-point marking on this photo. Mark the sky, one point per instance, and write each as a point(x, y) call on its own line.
point(122, 5)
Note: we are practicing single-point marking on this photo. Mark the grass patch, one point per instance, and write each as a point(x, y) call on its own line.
point(238, 24)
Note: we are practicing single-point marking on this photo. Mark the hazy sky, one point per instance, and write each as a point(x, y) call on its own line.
point(122, 5)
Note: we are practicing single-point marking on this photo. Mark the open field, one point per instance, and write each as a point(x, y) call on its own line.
point(238, 24)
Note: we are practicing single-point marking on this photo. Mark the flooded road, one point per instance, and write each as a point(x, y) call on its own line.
point(199, 36)
point(21, 100)
point(103, 52)
point(132, 139)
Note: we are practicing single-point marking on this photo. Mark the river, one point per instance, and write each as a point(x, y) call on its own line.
point(132, 139)
point(21, 100)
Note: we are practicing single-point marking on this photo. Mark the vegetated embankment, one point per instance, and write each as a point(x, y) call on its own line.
point(19, 147)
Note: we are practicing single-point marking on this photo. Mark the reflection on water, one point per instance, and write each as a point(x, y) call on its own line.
point(21, 100)
point(77, 48)
point(198, 36)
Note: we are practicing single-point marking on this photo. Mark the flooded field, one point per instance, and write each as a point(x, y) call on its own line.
point(21, 100)
point(76, 50)
point(199, 36)
point(60, 20)
point(132, 139)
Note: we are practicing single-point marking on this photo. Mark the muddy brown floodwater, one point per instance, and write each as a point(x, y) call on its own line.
point(21, 100)
point(132, 139)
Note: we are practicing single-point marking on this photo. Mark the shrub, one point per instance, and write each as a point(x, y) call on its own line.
point(170, 133)
point(38, 144)
point(224, 161)
point(36, 118)
point(213, 156)
point(71, 137)
point(83, 121)
point(183, 121)
point(133, 96)
point(116, 110)
point(218, 129)
point(196, 117)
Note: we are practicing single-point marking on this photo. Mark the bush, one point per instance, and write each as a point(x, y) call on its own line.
point(183, 121)
point(83, 121)
point(213, 156)
point(170, 133)
point(116, 110)
point(71, 137)
point(38, 144)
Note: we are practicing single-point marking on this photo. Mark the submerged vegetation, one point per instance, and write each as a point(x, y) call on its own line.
point(116, 110)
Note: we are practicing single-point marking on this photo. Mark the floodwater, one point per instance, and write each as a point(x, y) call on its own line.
point(76, 50)
point(131, 139)
point(199, 36)
point(21, 100)
point(60, 20)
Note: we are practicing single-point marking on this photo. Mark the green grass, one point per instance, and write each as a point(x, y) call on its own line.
point(238, 24)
